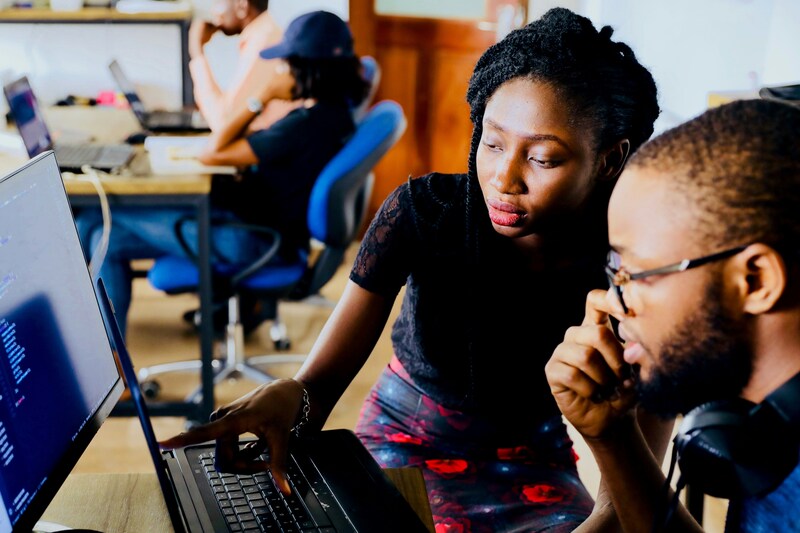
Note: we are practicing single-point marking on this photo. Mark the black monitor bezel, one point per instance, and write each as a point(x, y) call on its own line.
point(74, 451)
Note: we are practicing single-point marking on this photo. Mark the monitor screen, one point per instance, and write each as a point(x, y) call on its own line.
point(58, 377)
point(28, 117)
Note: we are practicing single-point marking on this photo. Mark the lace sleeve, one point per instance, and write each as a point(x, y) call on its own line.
point(384, 259)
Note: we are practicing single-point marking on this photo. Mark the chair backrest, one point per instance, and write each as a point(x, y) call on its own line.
point(371, 72)
point(340, 195)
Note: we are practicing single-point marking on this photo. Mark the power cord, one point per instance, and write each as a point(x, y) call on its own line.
point(93, 176)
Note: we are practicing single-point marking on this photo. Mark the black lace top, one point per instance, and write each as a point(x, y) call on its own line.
point(476, 326)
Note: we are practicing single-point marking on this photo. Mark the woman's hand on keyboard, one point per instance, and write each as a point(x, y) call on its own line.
point(269, 412)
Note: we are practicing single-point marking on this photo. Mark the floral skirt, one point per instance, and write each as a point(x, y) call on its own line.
point(475, 484)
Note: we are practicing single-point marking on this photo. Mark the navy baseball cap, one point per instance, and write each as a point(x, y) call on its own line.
point(315, 35)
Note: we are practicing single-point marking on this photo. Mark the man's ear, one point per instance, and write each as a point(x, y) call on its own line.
point(613, 159)
point(761, 278)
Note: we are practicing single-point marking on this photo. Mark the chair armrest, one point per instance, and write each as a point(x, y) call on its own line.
point(250, 268)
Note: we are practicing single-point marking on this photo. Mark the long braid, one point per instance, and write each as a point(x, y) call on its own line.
point(472, 243)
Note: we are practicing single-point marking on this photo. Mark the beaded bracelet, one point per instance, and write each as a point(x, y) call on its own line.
point(304, 412)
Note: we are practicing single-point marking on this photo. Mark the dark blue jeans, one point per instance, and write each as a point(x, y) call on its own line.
point(149, 233)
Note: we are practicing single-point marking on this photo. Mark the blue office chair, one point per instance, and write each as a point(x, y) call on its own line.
point(336, 211)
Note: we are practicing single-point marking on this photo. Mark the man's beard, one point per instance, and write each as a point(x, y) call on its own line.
point(705, 359)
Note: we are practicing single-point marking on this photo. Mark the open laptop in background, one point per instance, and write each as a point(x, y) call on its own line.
point(58, 378)
point(156, 121)
point(336, 485)
point(37, 139)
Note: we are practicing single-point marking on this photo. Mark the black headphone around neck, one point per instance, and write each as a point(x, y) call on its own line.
point(735, 448)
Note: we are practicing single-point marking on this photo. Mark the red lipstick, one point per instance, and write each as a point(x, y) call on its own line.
point(504, 213)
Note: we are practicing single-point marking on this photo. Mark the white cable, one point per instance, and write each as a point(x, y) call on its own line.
point(92, 176)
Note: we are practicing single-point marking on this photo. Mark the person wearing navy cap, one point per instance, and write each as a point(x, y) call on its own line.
point(279, 164)
point(317, 35)
point(319, 68)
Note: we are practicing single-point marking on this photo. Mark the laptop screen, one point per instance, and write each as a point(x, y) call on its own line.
point(129, 91)
point(28, 117)
point(58, 378)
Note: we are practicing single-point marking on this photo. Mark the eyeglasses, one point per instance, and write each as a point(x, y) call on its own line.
point(618, 276)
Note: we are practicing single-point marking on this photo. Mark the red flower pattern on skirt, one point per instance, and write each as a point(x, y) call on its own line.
point(574, 455)
point(542, 494)
point(517, 453)
point(475, 484)
point(403, 438)
point(447, 467)
point(453, 525)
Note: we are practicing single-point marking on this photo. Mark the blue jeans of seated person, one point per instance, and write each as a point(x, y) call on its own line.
point(149, 233)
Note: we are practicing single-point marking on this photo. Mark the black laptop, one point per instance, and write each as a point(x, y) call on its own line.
point(59, 380)
point(336, 485)
point(36, 137)
point(156, 121)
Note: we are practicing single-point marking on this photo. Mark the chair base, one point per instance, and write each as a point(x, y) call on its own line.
point(234, 365)
point(222, 371)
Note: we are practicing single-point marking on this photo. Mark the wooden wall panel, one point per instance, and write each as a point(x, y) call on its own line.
point(450, 126)
point(399, 83)
point(425, 65)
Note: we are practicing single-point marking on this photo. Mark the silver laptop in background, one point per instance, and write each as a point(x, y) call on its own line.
point(37, 139)
point(156, 121)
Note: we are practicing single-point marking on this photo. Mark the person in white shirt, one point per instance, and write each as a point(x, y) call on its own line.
point(257, 30)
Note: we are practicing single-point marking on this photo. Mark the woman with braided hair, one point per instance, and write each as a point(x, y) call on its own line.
point(496, 264)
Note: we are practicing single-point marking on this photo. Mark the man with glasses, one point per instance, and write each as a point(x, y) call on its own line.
point(704, 228)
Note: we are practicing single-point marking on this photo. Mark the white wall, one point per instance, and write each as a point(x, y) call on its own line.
point(783, 49)
point(73, 58)
point(63, 59)
point(696, 47)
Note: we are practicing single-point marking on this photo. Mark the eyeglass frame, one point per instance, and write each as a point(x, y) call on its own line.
point(618, 277)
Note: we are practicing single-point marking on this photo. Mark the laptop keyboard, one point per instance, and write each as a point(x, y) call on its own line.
point(170, 118)
point(253, 503)
point(98, 156)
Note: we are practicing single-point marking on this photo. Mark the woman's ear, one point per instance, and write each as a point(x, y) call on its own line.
point(761, 278)
point(613, 159)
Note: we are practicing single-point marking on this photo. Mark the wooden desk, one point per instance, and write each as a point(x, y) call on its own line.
point(133, 502)
point(137, 185)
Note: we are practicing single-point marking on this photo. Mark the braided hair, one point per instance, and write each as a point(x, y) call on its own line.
point(599, 79)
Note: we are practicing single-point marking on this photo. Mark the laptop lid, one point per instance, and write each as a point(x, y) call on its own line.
point(28, 116)
point(58, 379)
point(129, 90)
point(125, 363)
